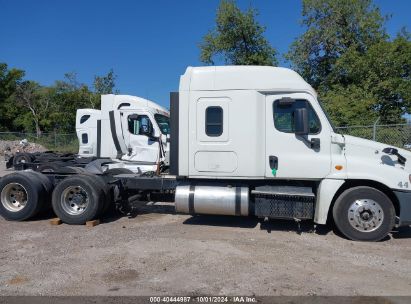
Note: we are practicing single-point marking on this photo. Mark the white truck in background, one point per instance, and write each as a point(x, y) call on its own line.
point(132, 131)
point(245, 140)
point(128, 132)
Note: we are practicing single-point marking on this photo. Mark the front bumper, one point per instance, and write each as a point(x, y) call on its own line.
point(404, 198)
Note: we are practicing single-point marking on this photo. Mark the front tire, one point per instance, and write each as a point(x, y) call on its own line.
point(364, 214)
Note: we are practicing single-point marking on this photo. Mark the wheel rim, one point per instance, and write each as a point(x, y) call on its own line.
point(14, 197)
point(21, 160)
point(74, 200)
point(365, 215)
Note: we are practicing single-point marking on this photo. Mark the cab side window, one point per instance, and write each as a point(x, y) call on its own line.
point(284, 116)
point(139, 124)
point(214, 121)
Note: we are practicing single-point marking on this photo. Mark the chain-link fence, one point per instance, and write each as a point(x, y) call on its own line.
point(398, 135)
point(50, 141)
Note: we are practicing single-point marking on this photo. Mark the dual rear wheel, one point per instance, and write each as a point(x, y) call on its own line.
point(75, 200)
point(80, 198)
point(23, 195)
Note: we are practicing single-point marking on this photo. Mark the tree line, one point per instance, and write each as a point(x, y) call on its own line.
point(360, 72)
point(27, 106)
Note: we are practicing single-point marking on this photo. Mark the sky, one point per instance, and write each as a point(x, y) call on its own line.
point(149, 44)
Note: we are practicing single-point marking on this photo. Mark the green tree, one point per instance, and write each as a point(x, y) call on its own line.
point(67, 96)
point(333, 27)
point(9, 79)
point(377, 83)
point(345, 54)
point(105, 84)
point(237, 38)
point(29, 96)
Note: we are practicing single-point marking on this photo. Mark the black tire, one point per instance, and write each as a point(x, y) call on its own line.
point(47, 186)
point(95, 195)
point(57, 168)
point(22, 158)
point(33, 191)
point(48, 168)
point(117, 171)
point(378, 212)
point(100, 183)
point(107, 195)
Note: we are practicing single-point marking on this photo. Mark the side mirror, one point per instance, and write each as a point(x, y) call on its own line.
point(390, 151)
point(301, 121)
point(393, 151)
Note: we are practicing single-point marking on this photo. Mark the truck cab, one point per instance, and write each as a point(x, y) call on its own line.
point(130, 130)
point(264, 128)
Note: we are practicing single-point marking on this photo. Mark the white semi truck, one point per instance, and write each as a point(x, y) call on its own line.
point(128, 132)
point(132, 131)
point(245, 140)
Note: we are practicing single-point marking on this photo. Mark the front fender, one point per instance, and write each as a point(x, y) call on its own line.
point(325, 194)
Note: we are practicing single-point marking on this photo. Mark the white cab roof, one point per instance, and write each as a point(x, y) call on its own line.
point(138, 102)
point(260, 78)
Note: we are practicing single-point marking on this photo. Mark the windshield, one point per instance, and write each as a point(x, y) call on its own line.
point(163, 123)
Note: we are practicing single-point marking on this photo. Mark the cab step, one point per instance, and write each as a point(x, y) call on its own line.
point(288, 202)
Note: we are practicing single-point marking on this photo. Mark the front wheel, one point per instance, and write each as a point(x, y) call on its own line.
point(364, 214)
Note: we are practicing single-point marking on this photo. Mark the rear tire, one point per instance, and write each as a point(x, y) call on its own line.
point(47, 186)
point(78, 199)
point(59, 168)
point(47, 168)
point(364, 214)
point(22, 196)
point(97, 179)
point(22, 158)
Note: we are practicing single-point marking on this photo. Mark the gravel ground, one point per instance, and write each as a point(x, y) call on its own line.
point(15, 146)
point(158, 252)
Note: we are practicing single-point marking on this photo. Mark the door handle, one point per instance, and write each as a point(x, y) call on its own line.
point(273, 160)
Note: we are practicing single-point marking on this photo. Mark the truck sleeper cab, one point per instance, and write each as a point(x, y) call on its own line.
point(262, 129)
point(247, 140)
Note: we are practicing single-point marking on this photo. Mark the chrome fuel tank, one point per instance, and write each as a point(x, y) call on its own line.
point(215, 199)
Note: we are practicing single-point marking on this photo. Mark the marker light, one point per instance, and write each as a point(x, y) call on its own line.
point(339, 167)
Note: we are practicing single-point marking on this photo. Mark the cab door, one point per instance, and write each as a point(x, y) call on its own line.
point(292, 156)
point(139, 137)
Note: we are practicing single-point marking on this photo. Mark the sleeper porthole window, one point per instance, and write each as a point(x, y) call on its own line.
point(214, 121)
point(84, 138)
